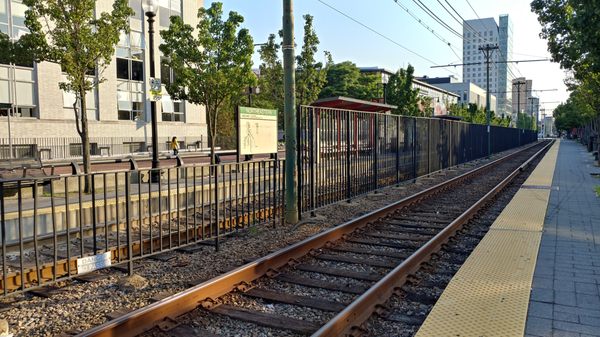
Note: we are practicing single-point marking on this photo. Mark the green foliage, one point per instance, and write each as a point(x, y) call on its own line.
point(401, 93)
point(572, 28)
point(212, 63)
point(525, 121)
point(270, 80)
point(597, 190)
point(310, 74)
point(17, 52)
point(68, 32)
point(473, 114)
point(345, 79)
point(73, 37)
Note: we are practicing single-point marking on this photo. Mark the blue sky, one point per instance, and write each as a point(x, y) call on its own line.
point(347, 40)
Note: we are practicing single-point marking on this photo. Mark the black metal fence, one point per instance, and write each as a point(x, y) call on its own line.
point(51, 230)
point(70, 148)
point(346, 153)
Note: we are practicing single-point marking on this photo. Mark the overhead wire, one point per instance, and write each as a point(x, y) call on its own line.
point(380, 34)
point(429, 12)
point(420, 21)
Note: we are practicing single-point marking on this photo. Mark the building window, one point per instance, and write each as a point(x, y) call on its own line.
point(13, 11)
point(168, 8)
point(17, 84)
point(172, 111)
point(130, 76)
point(69, 100)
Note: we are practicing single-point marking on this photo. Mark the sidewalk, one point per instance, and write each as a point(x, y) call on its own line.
point(565, 295)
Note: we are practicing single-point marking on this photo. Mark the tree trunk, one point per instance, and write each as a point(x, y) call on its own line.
point(85, 145)
point(212, 131)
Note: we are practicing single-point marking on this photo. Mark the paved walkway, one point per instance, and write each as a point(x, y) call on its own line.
point(565, 296)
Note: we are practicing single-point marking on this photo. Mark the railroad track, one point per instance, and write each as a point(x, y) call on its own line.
point(329, 284)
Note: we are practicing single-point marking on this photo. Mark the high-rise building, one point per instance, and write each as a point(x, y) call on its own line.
point(478, 33)
point(118, 109)
point(521, 94)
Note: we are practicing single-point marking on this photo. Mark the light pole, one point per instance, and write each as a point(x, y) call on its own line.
point(385, 79)
point(150, 7)
point(487, 51)
point(518, 83)
point(289, 110)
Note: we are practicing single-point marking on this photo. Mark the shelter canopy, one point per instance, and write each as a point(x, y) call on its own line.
point(348, 103)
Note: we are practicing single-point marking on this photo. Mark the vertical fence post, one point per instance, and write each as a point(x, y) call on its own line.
point(217, 218)
point(414, 149)
point(397, 150)
point(3, 232)
point(348, 154)
point(311, 160)
point(375, 151)
point(428, 146)
point(300, 159)
point(128, 224)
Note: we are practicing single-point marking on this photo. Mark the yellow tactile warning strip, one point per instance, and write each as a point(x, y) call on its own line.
point(489, 295)
point(524, 211)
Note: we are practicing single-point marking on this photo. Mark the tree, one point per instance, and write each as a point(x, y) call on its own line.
point(401, 92)
point(211, 63)
point(476, 115)
point(69, 32)
point(19, 52)
point(270, 80)
point(572, 28)
point(345, 79)
point(310, 75)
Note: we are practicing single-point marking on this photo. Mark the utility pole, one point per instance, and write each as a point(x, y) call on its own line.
point(488, 51)
point(289, 111)
point(518, 84)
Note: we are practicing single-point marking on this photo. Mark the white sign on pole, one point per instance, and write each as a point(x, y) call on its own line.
point(257, 130)
point(91, 263)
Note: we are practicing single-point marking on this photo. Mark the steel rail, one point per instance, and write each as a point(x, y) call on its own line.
point(206, 293)
point(349, 320)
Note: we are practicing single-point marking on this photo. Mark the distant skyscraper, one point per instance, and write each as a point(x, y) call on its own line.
point(521, 94)
point(478, 33)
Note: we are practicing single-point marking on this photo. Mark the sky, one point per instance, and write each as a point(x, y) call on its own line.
point(404, 40)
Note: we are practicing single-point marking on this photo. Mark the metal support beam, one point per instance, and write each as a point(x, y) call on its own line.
point(289, 84)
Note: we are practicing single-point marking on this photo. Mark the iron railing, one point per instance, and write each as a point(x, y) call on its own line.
point(346, 153)
point(49, 226)
point(54, 228)
point(70, 147)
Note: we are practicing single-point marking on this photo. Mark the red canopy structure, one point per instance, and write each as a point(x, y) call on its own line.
point(348, 103)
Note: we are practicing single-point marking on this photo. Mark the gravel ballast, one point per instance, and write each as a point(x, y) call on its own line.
point(83, 305)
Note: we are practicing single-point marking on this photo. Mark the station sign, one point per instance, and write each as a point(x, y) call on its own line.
point(257, 131)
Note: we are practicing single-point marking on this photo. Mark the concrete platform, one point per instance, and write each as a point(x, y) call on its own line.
point(490, 294)
point(565, 295)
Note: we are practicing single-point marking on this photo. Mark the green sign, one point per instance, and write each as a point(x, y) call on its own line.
point(257, 130)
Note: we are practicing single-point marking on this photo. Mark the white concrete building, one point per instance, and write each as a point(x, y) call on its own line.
point(480, 32)
point(118, 110)
point(468, 92)
point(441, 99)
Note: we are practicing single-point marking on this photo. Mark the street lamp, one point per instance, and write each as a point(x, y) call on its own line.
point(385, 79)
point(150, 7)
